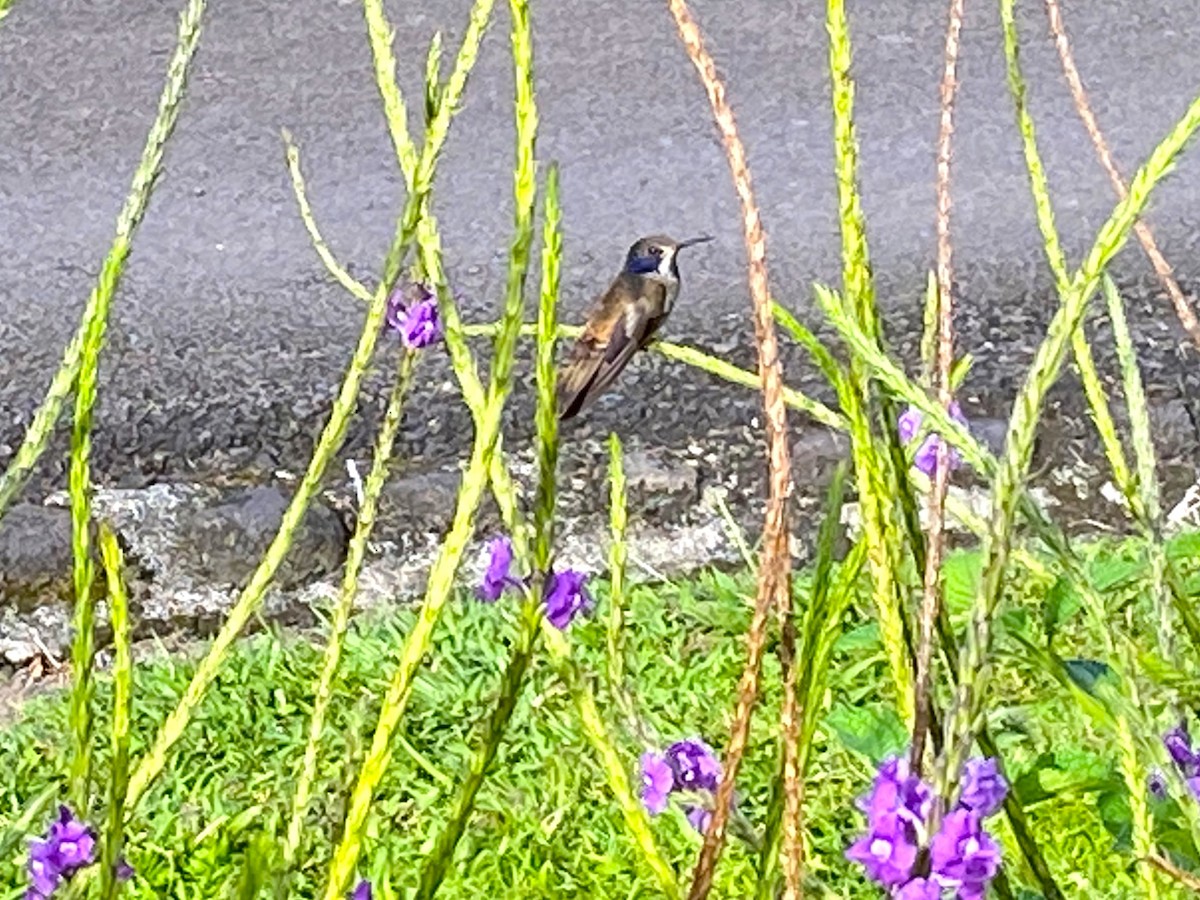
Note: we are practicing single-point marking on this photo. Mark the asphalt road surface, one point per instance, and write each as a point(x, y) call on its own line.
point(228, 339)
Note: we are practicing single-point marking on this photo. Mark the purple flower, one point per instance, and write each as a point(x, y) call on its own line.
point(422, 326)
point(69, 845)
point(983, 787)
point(44, 873)
point(1157, 782)
point(696, 767)
point(362, 891)
point(964, 856)
point(658, 780)
point(895, 791)
point(76, 847)
point(888, 850)
point(1179, 744)
point(412, 312)
point(896, 811)
point(925, 460)
point(497, 577)
point(698, 817)
point(566, 596)
point(919, 889)
point(909, 424)
point(124, 870)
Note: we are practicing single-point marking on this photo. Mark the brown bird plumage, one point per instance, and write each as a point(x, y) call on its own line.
point(622, 320)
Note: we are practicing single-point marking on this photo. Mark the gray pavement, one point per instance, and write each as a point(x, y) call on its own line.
point(229, 339)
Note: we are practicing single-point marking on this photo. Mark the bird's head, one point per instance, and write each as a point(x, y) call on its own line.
point(655, 256)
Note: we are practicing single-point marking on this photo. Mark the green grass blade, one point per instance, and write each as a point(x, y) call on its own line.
point(434, 868)
point(477, 477)
point(327, 446)
point(1093, 388)
point(118, 609)
point(37, 436)
point(79, 474)
point(1146, 460)
point(617, 554)
point(817, 623)
point(340, 621)
point(26, 824)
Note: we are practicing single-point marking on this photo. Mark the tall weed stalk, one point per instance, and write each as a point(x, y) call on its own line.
point(328, 444)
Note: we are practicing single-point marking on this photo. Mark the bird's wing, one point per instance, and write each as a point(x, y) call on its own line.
point(595, 363)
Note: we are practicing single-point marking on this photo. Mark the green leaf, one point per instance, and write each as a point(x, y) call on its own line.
point(874, 731)
point(1112, 571)
point(1062, 602)
point(1089, 674)
point(1071, 772)
point(1184, 548)
point(1116, 816)
point(864, 637)
point(960, 573)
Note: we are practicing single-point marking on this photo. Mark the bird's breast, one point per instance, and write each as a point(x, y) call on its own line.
point(670, 292)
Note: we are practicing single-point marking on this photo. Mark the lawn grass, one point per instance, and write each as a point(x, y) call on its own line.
point(545, 825)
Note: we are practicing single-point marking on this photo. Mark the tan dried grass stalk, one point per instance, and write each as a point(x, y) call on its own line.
point(774, 574)
point(931, 598)
point(1183, 309)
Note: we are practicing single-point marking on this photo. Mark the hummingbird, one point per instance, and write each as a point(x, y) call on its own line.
point(622, 320)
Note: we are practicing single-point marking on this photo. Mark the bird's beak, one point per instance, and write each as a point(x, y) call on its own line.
point(703, 239)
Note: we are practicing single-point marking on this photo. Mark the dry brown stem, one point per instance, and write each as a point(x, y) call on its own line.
point(774, 575)
point(1183, 309)
point(931, 597)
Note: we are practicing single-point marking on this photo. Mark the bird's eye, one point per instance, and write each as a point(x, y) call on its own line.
point(656, 251)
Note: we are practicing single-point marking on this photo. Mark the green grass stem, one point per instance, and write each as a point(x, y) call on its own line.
point(436, 863)
point(477, 477)
point(330, 441)
point(340, 620)
point(1007, 492)
point(1093, 388)
point(1159, 579)
point(37, 436)
point(872, 464)
point(821, 625)
point(113, 838)
point(611, 761)
point(546, 417)
point(79, 470)
point(618, 518)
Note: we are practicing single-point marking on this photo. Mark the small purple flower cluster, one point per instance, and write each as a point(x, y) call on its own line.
point(909, 424)
point(362, 891)
point(963, 857)
point(412, 312)
point(564, 594)
point(69, 845)
point(1179, 744)
point(686, 766)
